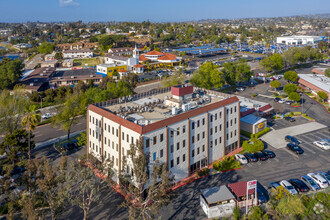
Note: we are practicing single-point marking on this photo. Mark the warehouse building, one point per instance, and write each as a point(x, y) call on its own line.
point(185, 127)
point(299, 40)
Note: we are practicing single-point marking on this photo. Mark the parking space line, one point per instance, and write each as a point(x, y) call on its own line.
point(316, 147)
point(313, 152)
point(295, 156)
point(321, 136)
point(276, 159)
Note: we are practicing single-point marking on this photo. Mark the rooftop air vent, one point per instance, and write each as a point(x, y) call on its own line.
point(72, 77)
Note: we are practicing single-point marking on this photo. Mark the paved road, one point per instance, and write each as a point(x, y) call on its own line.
point(33, 62)
point(147, 87)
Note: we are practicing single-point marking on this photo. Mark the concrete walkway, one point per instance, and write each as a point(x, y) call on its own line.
point(275, 138)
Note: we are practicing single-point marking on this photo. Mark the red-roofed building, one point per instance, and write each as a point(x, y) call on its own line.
point(159, 57)
point(138, 68)
point(239, 191)
point(182, 92)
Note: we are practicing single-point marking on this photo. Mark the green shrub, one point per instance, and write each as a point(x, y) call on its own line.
point(260, 133)
point(284, 95)
point(276, 94)
point(254, 95)
point(246, 133)
point(296, 113)
point(253, 145)
point(228, 163)
point(291, 114)
point(203, 172)
point(45, 122)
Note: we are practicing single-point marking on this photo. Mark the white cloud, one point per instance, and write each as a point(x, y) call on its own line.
point(65, 3)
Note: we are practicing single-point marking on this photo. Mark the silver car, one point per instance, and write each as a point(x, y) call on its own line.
point(288, 187)
point(310, 183)
point(323, 183)
point(241, 158)
point(324, 175)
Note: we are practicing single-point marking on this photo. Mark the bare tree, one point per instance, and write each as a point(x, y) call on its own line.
point(146, 192)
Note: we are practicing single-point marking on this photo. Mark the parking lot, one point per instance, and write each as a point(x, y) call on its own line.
point(282, 123)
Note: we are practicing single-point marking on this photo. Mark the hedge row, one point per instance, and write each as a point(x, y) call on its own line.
point(260, 133)
point(203, 172)
point(228, 163)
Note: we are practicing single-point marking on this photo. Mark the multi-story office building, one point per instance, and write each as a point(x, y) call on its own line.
point(185, 127)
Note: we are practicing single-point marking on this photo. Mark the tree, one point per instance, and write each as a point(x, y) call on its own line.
point(82, 139)
point(236, 72)
point(327, 72)
point(149, 188)
point(294, 96)
point(30, 121)
point(275, 84)
point(87, 187)
point(291, 76)
point(58, 55)
point(14, 145)
point(52, 183)
point(291, 206)
point(272, 63)
point(322, 95)
point(68, 114)
point(93, 39)
point(253, 145)
point(208, 76)
point(173, 80)
point(10, 73)
point(288, 88)
point(46, 48)
point(255, 213)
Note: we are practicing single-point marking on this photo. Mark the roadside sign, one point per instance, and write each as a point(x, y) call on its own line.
point(252, 184)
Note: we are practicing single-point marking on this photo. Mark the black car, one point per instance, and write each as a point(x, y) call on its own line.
point(260, 156)
point(68, 146)
point(290, 119)
point(295, 148)
point(250, 157)
point(299, 185)
point(292, 139)
point(276, 99)
point(268, 153)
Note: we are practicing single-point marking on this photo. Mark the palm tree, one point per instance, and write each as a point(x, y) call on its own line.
point(30, 121)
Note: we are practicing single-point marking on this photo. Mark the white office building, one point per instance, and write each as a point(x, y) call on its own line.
point(72, 54)
point(185, 128)
point(298, 40)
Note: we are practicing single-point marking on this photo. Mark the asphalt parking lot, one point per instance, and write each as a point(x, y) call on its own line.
point(282, 123)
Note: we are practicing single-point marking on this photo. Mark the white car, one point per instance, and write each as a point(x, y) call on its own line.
point(324, 175)
point(288, 187)
point(323, 183)
point(241, 158)
point(47, 116)
point(281, 101)
point(322, 144)
point(240, 89)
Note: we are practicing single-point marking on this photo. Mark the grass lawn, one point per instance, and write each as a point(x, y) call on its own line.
point(89, 61)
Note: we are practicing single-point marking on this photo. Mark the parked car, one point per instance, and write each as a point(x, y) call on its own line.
point(292, 139)
point(288, 187)
point(274, 186)
point(68, 146)
point(324, 175)
point(241, 158)
point(323, 183)
point(323, 145)
point(290, 119)
point(47, 116)
point(261, 196)
point(281, 101)
point(276, 99)
point(295, 148)
point(260, 156)
point(268, 153)
point(250, 157)
point(288, 102)
point(240, 89)
point(310, 183)
point(299, 185)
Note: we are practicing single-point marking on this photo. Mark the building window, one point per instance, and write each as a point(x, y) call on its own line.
point(219, 140)
point(227, 136)
point(105, 126)
point(235, 132)
point(183, 158)
point(93, 133)
point(235, 109)
point(215, 117)
point(113, 145)
point(122, 136)
point(97, 149)
point(154, 156)
point(117, 132)
point(220, 127)
point(172, 148)
point(203, 121)
point(183, 143)
point(93, 120)
point(203, 134)
point(93, 146)
point(197, 137)
point(113, 130)
point(105, 154)
point(90, 131)
point(231, 134)
point(105, 140)
point(192, 125)
point(132, 140)
point(183, 129)
point(109, 142)
point(197, 150)
point(161, 153)
point(90, 118)
point(147, 142)
point(171, 133)
point(231, 110)
point(211, 144)
point(193, 139)
point(216, 142)
point(178, 131)
point(231, 122)
point(123, 152)
point(109, 128)
point(215, 129)
point(198, 124)
point(117, 148)
point(90, 144)
point(203, 148)
point(227, 124)
point(220, 114)
point(211, 118)
point(211, 131)
point(235, 121)
point(127, 138)
point(155, 140)
point(161, 137)
point(178, 146)
point(172, 163)
point(193, 153)
point(97, 121)
point(177, 160)
point(116, 161)
point(227, 111)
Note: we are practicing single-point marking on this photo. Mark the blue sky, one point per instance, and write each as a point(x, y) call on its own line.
point(154, 10)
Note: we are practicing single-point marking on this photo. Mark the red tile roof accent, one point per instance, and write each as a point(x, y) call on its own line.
point(239, 189)
point(122, 71)
point(311, 86)
point(247, 112)
point(180, 91)
point(138, 65)
point(153, 53)
point(159, 124)
point(142, 58)
point(167, 56)
point(318, 71)
point(264, 108)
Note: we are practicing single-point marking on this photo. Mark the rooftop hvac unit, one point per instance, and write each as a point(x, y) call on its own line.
point(91, 75)
point(72, 77)
point(41, 74)
point(186, 107)
point(59, 77)
point(174, 110)
point(31, 84)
